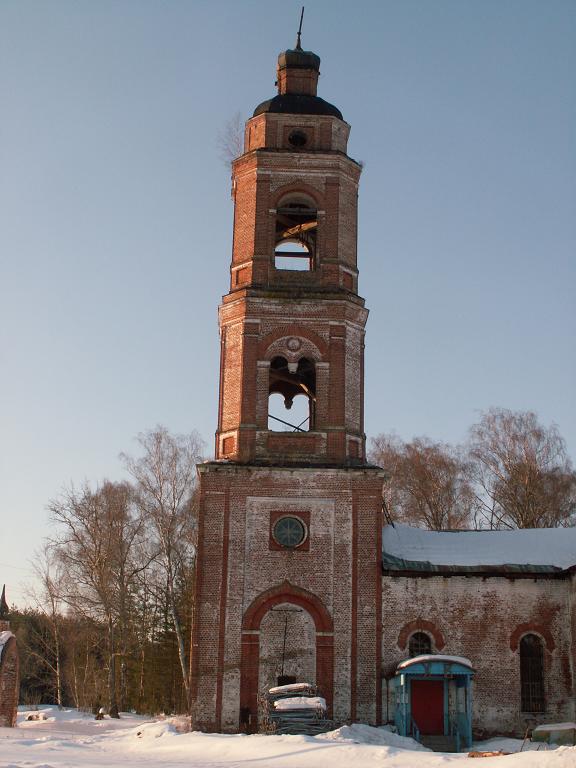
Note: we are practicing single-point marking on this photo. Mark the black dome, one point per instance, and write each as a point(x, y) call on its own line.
point(298, 104)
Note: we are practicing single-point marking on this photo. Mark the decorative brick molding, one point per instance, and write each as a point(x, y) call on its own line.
point(531, 628)
point(420, 625)
point(289, 443)
point(286, 331)
point(294, 189)
point(287, 593)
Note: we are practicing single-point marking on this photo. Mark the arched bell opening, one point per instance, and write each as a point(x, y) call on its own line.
point(293, 255)
point(296, 234)
point(291, 395)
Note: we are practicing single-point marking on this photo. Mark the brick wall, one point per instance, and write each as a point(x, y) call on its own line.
point(573, 635)
point(335, 580)
point(9, 683)
point(478, 618)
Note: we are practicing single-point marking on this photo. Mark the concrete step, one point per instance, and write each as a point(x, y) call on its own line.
point(439, 743)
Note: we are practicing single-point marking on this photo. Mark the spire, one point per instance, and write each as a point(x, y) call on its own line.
point(297, 71)
point(298, 43)
point(3, 604)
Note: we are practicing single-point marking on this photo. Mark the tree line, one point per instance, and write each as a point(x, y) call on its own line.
point(114, 610)
point(512, 472)
point(112, 620)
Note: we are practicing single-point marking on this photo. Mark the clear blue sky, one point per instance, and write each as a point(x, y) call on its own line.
point(115, 218)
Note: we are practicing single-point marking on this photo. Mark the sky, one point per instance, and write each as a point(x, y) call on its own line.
point(116, 219)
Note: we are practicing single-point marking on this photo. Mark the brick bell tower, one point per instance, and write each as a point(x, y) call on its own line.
point(289, 554)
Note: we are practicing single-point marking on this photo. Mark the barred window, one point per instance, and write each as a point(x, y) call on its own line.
point(419, 644)
point(532, 674)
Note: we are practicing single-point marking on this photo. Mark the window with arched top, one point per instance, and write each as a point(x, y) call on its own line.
point(532, 673)
point(296, 233)
point(291, 395)
point(419, 644)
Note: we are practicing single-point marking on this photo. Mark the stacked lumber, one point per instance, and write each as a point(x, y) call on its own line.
point(295, 709)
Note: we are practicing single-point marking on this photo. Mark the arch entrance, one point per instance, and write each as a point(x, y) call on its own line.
point(287, 633)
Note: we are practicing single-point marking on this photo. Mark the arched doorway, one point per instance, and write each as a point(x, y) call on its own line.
point(286, 631)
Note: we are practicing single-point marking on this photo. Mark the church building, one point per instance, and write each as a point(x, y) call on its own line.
point(298, 578)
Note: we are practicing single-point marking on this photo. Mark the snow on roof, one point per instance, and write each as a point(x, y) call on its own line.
point(290, 687)
point(556, 727)
point(426, 657)
point(4, 637)
point(553, 547)
point(301, 702)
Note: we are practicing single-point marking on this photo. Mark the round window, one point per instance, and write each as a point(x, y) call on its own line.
point(289, 532)
point(297, 138)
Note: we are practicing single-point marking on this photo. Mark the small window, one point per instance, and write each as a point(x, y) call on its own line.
point(298, 139)
point(419, 644)
point(532, 674)
point(289, 532)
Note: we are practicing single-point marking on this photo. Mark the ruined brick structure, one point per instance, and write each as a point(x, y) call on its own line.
point(9, 681)
point(290, 573)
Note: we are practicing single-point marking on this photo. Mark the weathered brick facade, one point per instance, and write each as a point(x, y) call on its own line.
point(319, 608)
point(291, 331)
point(482, 618)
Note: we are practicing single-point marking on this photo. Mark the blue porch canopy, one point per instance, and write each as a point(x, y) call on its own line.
point(433, 697)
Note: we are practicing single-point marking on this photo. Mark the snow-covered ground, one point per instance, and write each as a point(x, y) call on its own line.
point(69, 739)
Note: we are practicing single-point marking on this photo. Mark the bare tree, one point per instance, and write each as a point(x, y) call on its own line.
point(165, 478)
point(427, 483)
point(523, 476)
point(231, 139)
point(95, 542)
point(48, 601)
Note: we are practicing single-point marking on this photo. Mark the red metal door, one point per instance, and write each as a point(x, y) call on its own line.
point(427, 703)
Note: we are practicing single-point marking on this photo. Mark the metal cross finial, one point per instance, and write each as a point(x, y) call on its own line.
point(298, 46)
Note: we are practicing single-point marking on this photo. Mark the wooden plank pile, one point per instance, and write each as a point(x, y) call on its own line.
point(295, 709)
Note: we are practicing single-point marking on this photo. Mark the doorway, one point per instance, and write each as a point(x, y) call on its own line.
point(427, 704)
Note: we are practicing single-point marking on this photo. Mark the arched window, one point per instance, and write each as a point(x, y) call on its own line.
point(291, 395)
point(532, 674)
point(295, 239)
point(419, 644)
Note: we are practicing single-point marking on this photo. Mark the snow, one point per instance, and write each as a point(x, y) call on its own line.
point(5, 635)
point(435, 657)
point(507, 744)
point(365, 734)
point(69, 739)
point(301, 702)
point(556, 727)
point(539, 546)
point(290, 687)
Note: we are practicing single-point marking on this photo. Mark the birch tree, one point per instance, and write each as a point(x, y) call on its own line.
point(164, 475)
point(521, 470)
point(48, 600)
point(96, 538)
